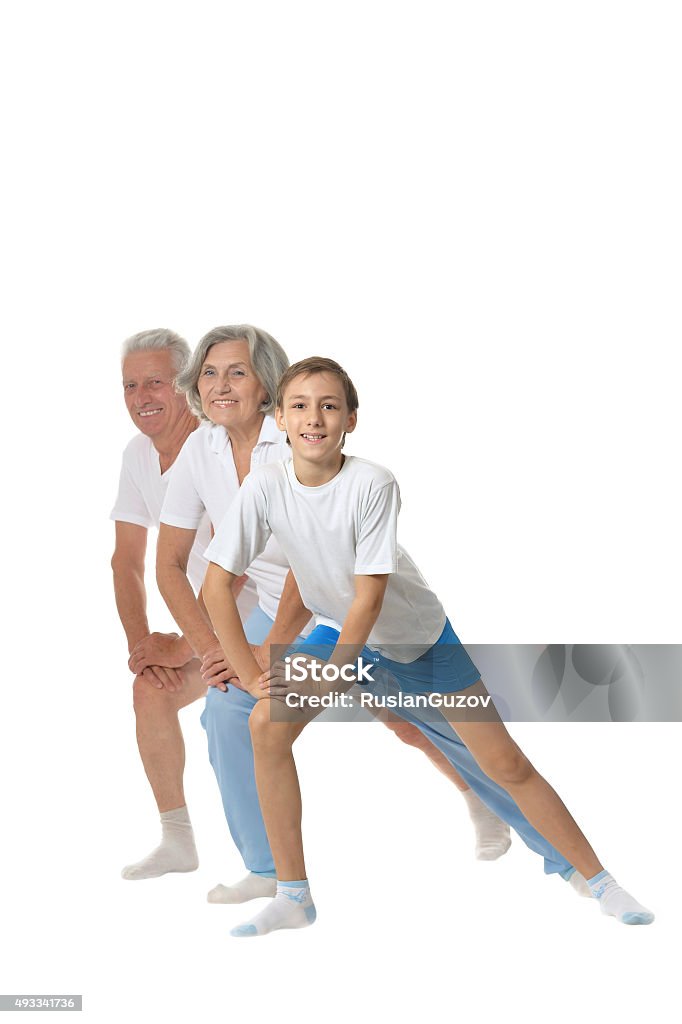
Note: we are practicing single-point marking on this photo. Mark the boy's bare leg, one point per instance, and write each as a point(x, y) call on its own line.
point(162, 749)
point(280, 799)
point(505, 763)
point(279, 791)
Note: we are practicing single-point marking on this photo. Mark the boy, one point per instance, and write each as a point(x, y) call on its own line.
point(335, 517)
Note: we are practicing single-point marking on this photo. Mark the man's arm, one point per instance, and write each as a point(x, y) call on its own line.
point(127, 565)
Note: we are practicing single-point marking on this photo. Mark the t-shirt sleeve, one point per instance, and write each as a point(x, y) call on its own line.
point(376, 550)
point(130, 505)
point(244, 531)
point(182, 505)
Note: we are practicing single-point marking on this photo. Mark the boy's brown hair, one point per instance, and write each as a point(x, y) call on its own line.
point(318, 364)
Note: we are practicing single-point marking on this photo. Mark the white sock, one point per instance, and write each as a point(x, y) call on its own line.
point(616, 901)
point(175, 852)
point(292, 907)
point(492, 834)
point(250, 888)
point(577, 882)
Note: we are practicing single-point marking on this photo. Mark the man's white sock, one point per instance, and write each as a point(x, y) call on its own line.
point(616, 901)
point(250, 888)
point(175, 852)
point(292, 907)
point(492, 834)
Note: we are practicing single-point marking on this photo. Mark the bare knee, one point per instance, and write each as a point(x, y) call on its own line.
point(147, 699)
point(267, 736)
point(508, 767)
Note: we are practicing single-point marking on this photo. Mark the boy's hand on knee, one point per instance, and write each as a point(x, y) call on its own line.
point(283, 678)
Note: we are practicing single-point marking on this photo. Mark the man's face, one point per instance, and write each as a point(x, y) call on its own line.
point(315, 415)
point(153, 405)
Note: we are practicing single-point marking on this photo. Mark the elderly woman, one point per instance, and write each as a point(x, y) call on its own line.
point(231, 383)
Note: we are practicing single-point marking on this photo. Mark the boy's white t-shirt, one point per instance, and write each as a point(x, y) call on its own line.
point(205, 481)
point(330, 534)
point(141, 492)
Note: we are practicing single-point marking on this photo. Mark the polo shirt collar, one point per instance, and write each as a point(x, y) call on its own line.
point(219, 438)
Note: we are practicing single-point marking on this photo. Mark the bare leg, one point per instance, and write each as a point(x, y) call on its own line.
point(159, 737)
point(412, 736)
point(278, 788)
point(280, 799)
point(162, 750)
point(505, 763)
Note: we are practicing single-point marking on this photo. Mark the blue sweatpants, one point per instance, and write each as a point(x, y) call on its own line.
point(226, 721)
point(445, 668)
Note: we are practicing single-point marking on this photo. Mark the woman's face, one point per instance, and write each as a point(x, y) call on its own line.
point(230, 391)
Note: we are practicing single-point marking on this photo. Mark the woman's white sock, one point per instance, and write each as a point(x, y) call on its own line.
point(250, 888)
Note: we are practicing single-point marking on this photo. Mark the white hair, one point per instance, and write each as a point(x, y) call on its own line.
point(158, 340)
point(268, 358)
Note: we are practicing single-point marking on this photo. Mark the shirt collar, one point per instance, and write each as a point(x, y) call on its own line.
point(219, 438)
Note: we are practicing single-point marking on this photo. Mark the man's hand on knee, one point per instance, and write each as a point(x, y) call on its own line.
point(167, 649)
point(162, 678)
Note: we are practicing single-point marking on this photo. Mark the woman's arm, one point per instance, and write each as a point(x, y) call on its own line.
point(222, 607)
point(172, 553)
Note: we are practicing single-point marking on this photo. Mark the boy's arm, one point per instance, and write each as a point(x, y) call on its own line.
point(361, 617)
point(359, 622)
point(292, 617)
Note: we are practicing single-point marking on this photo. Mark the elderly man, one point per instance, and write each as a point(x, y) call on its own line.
point(150, 362)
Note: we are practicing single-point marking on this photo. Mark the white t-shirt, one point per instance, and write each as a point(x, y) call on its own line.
point(205, 481)
point(141, 492)
point(330, 534)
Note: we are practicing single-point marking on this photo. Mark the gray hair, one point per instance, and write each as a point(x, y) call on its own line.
point(268, 358)
point(157, 340)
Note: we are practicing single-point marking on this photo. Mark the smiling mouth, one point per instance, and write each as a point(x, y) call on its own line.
point(223, 403)
point(149, 412)
point(313, 438)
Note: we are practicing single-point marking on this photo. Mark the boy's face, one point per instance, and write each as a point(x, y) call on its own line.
point(315, 415)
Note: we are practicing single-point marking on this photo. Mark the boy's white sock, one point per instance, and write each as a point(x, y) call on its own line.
point(175, 852)
point(292, 907)
point(250, 888)
point(616, 901)
point(492, 834)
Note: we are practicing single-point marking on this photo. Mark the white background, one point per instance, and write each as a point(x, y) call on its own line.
point(475, 207)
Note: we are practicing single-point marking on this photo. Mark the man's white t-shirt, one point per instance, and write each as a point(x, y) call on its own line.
point(205, 481)
point(141, 493)
point(329, 534)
